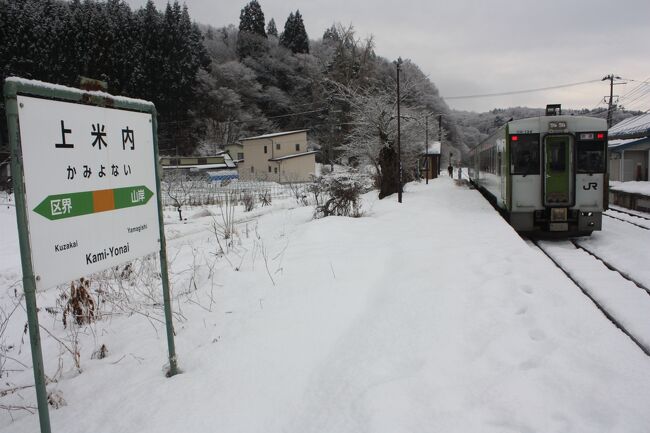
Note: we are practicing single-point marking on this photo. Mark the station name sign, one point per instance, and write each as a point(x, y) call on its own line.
point(90, 185)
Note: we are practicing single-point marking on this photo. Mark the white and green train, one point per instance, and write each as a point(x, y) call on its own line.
point(546, 174)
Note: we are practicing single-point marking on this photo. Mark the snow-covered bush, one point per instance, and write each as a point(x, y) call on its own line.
point(339, 193)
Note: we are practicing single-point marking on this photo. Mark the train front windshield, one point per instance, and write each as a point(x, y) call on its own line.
point(591, 157)
point(524, 154)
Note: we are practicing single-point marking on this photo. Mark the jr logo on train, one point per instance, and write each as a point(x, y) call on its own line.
point(547, 173)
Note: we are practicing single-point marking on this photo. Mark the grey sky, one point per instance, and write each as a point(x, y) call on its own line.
point(485, 46)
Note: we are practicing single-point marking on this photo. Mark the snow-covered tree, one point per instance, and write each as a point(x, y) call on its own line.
point(373, 137)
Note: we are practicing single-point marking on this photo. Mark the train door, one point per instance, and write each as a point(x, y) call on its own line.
point(558, 171)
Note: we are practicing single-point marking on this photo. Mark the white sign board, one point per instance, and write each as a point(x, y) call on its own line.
point(90, 187)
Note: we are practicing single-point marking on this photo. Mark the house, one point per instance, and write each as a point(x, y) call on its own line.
point(236, 152)
point(217, 167)
point(280, 157)
point(629, 149)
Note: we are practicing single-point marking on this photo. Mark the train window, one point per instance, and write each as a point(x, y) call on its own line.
point(524, 154)
point(591, 157)
point(557, 155)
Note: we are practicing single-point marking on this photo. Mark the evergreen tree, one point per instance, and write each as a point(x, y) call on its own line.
point(184, 54)
point(251, 19)
point(301, 43)
point(294, 36)
point(271, 29)
point(120, 56)
point(331, 34)
point(251, 41)
point(146, 78)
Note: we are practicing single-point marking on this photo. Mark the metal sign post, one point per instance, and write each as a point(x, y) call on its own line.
point(29, 280)
point(84, 168)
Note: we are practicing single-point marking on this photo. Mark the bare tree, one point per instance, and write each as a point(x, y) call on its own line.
point(177, 186)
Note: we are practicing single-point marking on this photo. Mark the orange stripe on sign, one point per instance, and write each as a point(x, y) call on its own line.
point(103, 200)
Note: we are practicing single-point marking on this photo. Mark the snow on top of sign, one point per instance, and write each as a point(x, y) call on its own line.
point(633, 125)
point(101, 94)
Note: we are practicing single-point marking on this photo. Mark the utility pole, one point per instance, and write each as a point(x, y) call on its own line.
point(611, 78)
point(399, 148)
point(426, 146)
point(440, 138)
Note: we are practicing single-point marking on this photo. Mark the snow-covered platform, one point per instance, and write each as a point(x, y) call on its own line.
point(630, 195)
point(430, 315)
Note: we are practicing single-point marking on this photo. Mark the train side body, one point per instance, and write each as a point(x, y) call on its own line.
point(546, 174)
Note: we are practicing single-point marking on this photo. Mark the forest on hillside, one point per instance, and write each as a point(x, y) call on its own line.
point(215, 85)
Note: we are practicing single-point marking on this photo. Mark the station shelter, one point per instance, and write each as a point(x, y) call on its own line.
point(430, 160)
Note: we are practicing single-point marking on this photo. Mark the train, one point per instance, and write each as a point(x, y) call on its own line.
point(545, 174)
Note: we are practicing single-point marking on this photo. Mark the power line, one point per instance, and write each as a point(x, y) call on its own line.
point(638, 96)
point(516, 92)
point(636, 89)
point(638, 92)
point(257, 119)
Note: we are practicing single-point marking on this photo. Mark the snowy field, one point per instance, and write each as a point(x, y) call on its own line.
point(429, 316)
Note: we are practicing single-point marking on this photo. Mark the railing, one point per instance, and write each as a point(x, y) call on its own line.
point(202, 193)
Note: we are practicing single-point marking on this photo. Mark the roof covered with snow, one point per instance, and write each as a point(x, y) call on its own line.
point(276, 134)
point(295, 155)
point(633, 127)
point(198, 166)
point(432, 148)
point(629, 143)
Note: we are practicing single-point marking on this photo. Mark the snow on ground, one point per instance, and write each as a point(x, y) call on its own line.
point(626, 302)
point(635, 217)
point(624, 246)
point(432, 315)
point(632, 187)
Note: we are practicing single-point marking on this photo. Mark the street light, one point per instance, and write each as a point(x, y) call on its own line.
point(398, 63)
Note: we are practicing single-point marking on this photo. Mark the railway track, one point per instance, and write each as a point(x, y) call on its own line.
point(628, 218)
point(622, 300)
point(611, 267)
point(637, 215)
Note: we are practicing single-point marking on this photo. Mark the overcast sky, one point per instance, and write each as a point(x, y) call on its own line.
point(485, 46)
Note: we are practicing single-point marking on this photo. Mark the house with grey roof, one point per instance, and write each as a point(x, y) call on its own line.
point(629, 149)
